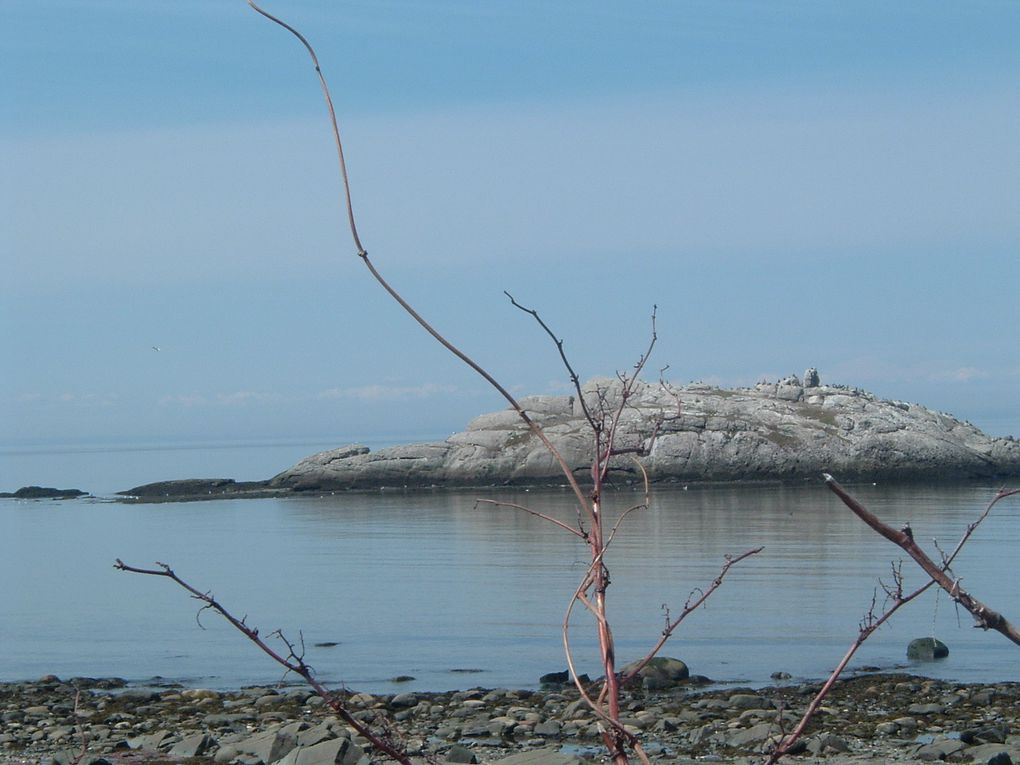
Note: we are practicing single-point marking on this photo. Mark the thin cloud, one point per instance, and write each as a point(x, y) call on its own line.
point(388, 392)
point(961, 374)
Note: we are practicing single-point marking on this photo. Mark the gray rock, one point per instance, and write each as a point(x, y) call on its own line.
point(540, 757)
point(192, 746)
point(339, 751)
point(940, 750)
point(772, 431)
point(927, 649)
point(267, 747)
point(404, 700)
point(461, 754)
point(660, 673)
point(548, 729)
point(753, 737)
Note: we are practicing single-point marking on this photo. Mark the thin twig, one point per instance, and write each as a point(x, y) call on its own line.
point(536, 513)
point(292, 662)
point(689, 607)
point(984, 616)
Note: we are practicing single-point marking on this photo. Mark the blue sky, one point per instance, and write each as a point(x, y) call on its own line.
point(794, 184)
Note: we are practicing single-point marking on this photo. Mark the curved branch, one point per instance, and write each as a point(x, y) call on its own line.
point(332, 119)
point(526, 509)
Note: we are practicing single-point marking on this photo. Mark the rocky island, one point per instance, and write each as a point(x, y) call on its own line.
point(792, 429)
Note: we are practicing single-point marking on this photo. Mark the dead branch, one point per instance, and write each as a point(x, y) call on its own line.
point(904, 538)
point(293, 661)
point(574, 379)
point(985, 617)
point(525, 509)
point(689, 607)
point(869, 624)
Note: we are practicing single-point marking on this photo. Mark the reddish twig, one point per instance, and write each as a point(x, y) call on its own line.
point(292, 662)
point(689, 607)
point(985, 617)
point(525, 509)
point(937, 573)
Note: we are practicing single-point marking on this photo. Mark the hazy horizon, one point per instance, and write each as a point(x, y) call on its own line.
point(794, 186)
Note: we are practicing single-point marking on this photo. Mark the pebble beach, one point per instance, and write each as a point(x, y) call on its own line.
point(866, 719)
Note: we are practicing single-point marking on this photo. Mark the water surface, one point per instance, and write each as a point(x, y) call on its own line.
point(424, 584)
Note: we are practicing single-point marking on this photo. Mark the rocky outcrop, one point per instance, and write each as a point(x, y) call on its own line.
point(193, 489)
point(785, 430)
point(43, 492)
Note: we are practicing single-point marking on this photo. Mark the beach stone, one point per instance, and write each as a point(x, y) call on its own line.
point(461, 754)
point(74, 757)
point(268, 747)
point(151, 741)
point(339, 751)
point(548, 728)
point(225, 754)
point(659, 673)
point(992, 734)
point(748, 701)
point(927, 649)
point(404, 700)
point(940, 749)
point(555, 678)
point(316, 735)
point(749, 738)
point(826, 743)
point(540, 757)
point(926, 709)
point(192, 746)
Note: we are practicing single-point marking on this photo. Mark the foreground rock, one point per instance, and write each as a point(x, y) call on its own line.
point(883, 718)
point(775, 431)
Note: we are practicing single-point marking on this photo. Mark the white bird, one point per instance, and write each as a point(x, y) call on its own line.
point(155, 347)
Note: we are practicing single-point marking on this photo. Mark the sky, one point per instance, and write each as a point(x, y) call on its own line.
point(792, 184)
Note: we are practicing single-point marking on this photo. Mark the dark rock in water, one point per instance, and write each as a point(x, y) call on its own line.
point(658, 674)
point(927, 649)
point(190, 489)
point(402, 679)
point(43, 492)
point(327, 644)
point(555, 678)
point(551, 678)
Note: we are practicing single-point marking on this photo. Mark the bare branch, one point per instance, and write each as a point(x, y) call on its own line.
point(558, 342)
point(689, 607)
point(524, 509)
point(985, 617)
point(292, 662)
point(869, 624)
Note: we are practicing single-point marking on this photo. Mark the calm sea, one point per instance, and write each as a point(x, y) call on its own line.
point(429, 585)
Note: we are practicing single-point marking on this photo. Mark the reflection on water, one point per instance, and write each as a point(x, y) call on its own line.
point(424, 584)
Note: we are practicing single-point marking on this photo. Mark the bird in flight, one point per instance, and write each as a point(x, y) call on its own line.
point(155, 347)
